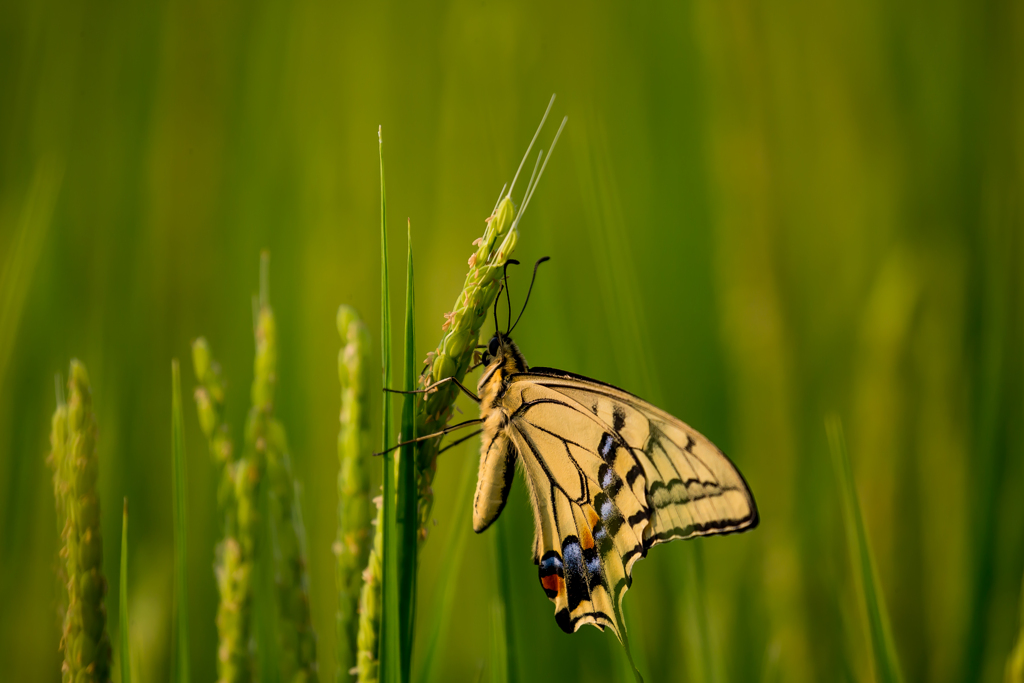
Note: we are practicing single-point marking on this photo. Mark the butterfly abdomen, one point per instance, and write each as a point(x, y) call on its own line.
point(497, 467)
point(497, 454)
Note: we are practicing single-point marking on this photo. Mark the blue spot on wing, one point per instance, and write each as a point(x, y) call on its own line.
point(576, 583)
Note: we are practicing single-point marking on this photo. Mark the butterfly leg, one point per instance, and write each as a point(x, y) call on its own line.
point(436, 385)
point(458, 441)
point(444, 431)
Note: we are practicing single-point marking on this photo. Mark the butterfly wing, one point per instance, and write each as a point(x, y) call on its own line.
point(610, 475)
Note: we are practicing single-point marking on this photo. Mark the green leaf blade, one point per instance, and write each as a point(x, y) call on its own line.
point(390, 630)
point(408, 498)
point(883, 648)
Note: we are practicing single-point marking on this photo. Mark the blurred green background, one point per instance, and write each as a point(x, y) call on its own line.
point(759, 213)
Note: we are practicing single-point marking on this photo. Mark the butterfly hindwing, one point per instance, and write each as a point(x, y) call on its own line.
point(578, 545)
point(609, 476)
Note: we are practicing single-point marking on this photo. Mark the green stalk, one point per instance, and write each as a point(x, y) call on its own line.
point(452, 358)
point(353, 543)
point(233, 571)
point(408, 519)
point(390, 629)
point(126, 670)
point(884, 659)
point(85, 640)
point(180, 657)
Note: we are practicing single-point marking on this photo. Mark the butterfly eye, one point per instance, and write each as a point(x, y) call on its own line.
point(492, 347)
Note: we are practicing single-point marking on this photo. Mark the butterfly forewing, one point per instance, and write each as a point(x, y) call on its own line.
point(692, 489)
point(609, 476)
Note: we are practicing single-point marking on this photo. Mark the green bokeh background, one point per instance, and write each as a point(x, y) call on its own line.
point(759, 213)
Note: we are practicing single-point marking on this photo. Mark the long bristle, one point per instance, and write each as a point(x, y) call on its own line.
point(527, 154)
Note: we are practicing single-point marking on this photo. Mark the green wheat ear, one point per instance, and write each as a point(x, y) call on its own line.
point(352, 546)
point(461, 328)
point(267, 448)
point(56, 460)
point(232, 568)
point(74, 460)
point(367, 666)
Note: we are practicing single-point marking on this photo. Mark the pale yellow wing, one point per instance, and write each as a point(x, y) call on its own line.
point(610, 475)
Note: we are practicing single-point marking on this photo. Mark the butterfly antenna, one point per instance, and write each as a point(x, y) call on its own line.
point(508, 299)
point(497, 330)
point(535, 266)
point(525, 156)
point(529, 195)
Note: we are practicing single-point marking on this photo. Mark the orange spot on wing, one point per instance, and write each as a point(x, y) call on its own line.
point(552, 583)
point(586, 536)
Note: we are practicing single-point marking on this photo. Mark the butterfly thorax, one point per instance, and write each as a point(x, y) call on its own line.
point(497, 457)
point(502, 359)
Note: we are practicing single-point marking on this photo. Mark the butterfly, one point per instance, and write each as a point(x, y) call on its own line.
point(609, 477)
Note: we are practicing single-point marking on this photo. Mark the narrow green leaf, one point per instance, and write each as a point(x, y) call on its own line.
point(126, 669)
point(180, 659)
point(883, 649)
point(390, 629)
point(408, 498)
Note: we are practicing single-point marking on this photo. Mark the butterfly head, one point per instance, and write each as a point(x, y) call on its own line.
point(501, 350)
